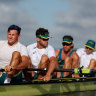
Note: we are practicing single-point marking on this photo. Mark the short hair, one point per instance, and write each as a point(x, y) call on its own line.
point(15, 27)
point(42, 31)
point(68, 37)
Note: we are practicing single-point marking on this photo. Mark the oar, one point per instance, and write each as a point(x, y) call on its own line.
point(76, 70)
point(45, 69)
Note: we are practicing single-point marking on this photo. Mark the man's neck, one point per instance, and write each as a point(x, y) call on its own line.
point(11, 44)
point(67, 52)
point(39, 46)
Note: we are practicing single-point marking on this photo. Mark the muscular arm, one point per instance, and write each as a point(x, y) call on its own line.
point(52, 64)
point(75, 64)
point(75, 60)
point(56, 53)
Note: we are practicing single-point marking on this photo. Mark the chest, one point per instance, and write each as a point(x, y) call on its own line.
point(38, 52)
point(65, 55)
point(6, 51)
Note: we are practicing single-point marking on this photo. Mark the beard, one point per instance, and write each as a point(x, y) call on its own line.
point(12, 42)
point(44, 46)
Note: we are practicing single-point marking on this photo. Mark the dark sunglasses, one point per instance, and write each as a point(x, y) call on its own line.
point(45, 39)
point(88, 48)
point(14, 27)
point(65, 44)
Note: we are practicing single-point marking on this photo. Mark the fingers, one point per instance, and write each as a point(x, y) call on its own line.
point(8, 68)
point(45, 78)
point(58, 74)
point(76, 76)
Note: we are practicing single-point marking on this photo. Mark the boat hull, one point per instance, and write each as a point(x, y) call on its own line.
point(44, 89)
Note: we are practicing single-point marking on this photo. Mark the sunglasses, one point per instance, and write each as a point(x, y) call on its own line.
point(88, 48)
point(44, 39)
point(15, 27)
point(65, 44)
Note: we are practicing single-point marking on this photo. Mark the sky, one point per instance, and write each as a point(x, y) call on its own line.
point(61, 17)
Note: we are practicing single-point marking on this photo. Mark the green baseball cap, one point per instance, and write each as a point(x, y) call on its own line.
point(90, 44)
point(66, 40)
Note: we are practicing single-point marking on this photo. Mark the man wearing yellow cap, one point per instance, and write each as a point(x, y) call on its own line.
point(67, 57)
point(42, 55)
point(87, 55)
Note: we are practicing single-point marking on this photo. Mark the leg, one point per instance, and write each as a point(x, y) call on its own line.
point(16, 59)
point(43, 64)
point(67, 65)
point(56, 74)
point(29, 74)
point(92, 64)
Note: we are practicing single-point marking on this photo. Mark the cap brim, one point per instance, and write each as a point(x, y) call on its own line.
point(45, 37)
point(89, 47)
point(66, 42)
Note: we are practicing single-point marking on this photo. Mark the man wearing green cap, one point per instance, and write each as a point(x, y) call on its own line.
point(42, 55)
point(67, 57)
point(87, 55)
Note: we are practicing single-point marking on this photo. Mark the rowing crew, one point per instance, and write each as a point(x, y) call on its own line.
point(14, 55)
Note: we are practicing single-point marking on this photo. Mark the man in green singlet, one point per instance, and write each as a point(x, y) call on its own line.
point(67, 57)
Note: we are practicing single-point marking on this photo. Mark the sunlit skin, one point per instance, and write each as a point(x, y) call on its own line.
point(41, 43)
point(13, 37)
point(45, 60)
point(67, 49)
point(12, 40)
point(69, 62)
point(88, 50)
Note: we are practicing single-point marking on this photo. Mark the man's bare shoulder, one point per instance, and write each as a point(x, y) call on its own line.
point(75, 55)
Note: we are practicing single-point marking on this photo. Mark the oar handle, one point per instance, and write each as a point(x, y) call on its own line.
point(84, 71)
point(35, 69)
point(2, 70)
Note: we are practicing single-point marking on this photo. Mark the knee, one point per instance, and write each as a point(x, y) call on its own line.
point(16, 53)
point(44, 59)
point(92, 61)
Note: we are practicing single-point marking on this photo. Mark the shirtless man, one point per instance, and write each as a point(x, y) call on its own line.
point(67, 57)
point(42, 55)
point(13, 55)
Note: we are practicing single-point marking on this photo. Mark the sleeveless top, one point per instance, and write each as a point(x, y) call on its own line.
point(61, 62)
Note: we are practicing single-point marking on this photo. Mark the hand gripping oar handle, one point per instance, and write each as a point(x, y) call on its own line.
point(2, 70)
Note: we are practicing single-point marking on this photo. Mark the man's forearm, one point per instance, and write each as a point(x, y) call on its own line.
point(52, 65)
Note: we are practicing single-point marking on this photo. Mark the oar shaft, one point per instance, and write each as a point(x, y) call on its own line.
point(36, 69)
point(64, 70)
point(56, 70)
point(76, 70)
